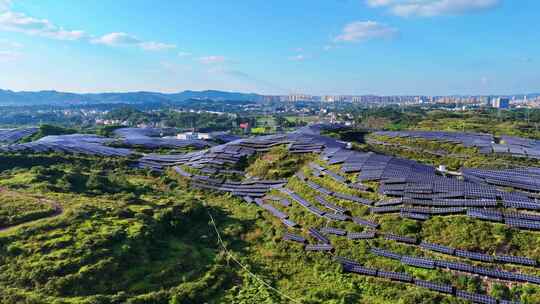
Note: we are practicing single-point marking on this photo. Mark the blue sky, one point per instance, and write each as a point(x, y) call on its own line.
point(387, 47)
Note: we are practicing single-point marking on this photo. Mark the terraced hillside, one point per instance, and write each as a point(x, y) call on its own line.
point(292, 218)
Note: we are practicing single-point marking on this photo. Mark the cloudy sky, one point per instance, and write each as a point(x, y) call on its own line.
point(431, 47)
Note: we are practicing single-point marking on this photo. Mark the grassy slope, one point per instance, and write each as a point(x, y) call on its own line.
point(155, 245)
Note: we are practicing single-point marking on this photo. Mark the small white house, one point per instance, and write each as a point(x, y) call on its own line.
point(193, 136)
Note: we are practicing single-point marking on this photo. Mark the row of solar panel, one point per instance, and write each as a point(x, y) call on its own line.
point(463, 253)
point(510, 220)
point(458, 266)
point(354, 267)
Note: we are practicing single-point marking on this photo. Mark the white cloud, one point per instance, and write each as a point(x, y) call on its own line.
point(184, 54)
point(9, 56)
point(17, 22)
point(360, 31)
point(156, 46)
point(430, 8)
point(5, 5)
point(9, 44)
point(298, 57)
point(212, 59)
point(124, 39)
point(116, 39)
point(378, 3)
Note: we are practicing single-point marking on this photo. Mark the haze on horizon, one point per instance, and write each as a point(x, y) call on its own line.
point(386, 47)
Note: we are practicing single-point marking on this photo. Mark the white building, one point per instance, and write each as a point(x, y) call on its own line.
point(193, 136)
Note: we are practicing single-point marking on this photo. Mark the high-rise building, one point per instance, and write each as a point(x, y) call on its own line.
point(335, 98)
point(357, 99)
point(501, 103)
point(299, 97)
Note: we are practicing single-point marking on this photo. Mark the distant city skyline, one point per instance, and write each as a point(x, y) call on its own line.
point(347, 47)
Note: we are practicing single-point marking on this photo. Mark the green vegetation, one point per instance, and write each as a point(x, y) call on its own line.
point(277, 163)
point(83, 229)
point(518, 122)
point(130, 236)
point(203, 121)
point(48, 130)
point(16, 208)
point(435, 153)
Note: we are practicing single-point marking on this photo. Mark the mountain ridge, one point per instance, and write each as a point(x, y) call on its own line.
point(52, 97)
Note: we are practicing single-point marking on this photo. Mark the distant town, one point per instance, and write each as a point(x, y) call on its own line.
point(496, 101)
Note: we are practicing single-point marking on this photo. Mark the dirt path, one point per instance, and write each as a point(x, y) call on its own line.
point(58, 210)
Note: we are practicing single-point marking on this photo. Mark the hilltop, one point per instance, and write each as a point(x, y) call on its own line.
point(8, 97)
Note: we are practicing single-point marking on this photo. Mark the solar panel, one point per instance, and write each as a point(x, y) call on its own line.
point(359, 186)
point(336, 216)
point(289, 223)
point(414, 216)
point(361, 235)
point(508, 302)
point(494, 216)
point(401, 239)
point(364, 222)
point(316, 166)
point(329, 205)
point(285, 202)
point(344, 261)
point(336, 177)
point(519, 223)
point(418, 262)
point(454, 266)
point(444, 288)
point(294, 238)
point(390, 202)
point(522, 215)
point(274, 211)
point(315, 210)
point(385, 253)
point(396, 276)
point(515, 260)
point(182, 172)
point(316, 234)
point(437, 248)
point(474, 255)
point(488, 272)
point(319, 247)
point(330, 230)
point(389, 209)
point(352, 198)
point(476, 298)
point(362, 270)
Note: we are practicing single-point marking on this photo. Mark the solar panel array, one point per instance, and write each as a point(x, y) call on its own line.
point(248, 188)
point(74, 143)
point(512, 219)
point(354, 267)
point(8, 136)
point(224, 157)
point(153, 138)
point(411, 189)
point(520, 178)
point(423, 262)
point(486, 143)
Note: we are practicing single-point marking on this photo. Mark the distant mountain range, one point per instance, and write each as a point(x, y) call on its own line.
point(61, 98)
point(12, 98)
